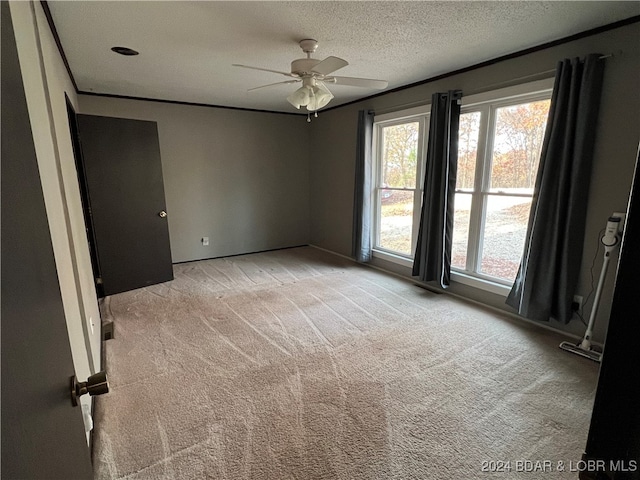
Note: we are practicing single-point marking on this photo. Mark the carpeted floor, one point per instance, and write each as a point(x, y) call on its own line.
point(297, 364)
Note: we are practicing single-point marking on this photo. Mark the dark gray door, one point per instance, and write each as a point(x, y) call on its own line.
point(42, 434)
point(614, 435)
point(123, 175)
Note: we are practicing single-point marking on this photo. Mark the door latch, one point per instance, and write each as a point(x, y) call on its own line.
point(96, 384)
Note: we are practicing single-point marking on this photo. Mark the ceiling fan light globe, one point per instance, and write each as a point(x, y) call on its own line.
point(324, 100)
point(322, 96)
point(299, 98)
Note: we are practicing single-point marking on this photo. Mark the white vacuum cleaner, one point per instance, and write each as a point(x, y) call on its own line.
point(610, 240)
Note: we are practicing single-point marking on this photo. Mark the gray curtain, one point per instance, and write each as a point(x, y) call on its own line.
point(432, 260)
point(361, 248)
point(548, 273)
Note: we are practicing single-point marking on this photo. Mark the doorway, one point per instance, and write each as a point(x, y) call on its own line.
point(84, 196)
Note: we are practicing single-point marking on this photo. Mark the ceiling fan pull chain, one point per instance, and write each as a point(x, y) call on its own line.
point(315, 114)
point(308, 117)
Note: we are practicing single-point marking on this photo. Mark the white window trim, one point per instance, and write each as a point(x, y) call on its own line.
point(402, 114)
point(486, 284)
point(509, 94)
point(392, 257)
point(420, 114)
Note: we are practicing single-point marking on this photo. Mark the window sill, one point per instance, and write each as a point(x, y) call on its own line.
point(392, 257)
point(458, 277)
point(481, 283)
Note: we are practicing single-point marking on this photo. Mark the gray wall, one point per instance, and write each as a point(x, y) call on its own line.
point(240, 178)
point(333, 149)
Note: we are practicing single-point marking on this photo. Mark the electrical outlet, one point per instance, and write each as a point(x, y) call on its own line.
point(205, 241)
point(577, 303)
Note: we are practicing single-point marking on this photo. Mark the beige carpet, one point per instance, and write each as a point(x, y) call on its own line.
point(297, 364)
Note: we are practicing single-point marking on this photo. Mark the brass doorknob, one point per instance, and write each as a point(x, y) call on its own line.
point(96, 384)
point(162, 214)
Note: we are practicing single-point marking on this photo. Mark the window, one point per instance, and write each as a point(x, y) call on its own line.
point(499, 144)
point(399, 146)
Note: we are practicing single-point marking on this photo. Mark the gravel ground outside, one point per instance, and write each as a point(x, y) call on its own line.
point(505, 230)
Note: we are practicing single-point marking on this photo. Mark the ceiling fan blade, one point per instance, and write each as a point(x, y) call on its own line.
point(358, 82)
point(266, 70)
point(273, 84)
point(329, 65)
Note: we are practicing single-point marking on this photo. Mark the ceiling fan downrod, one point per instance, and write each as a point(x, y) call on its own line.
point(308, 46)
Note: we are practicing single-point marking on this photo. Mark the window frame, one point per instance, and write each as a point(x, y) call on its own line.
point(487, 104)
point(420, 114)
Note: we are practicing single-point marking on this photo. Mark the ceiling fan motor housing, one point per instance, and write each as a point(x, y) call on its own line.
point(303, 65)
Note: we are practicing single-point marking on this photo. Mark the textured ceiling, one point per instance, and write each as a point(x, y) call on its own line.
point(187, 48)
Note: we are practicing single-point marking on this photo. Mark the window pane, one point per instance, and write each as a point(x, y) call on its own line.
point(505, 228)
point(400, 155)
point(517, 144)
point(396, 220)
point(467, 149)
point(462, 208)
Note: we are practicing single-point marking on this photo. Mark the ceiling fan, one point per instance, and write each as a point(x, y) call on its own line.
point(314, 74)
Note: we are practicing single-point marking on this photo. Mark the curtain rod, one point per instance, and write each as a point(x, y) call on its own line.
point(420, 103)
point(539, 74)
